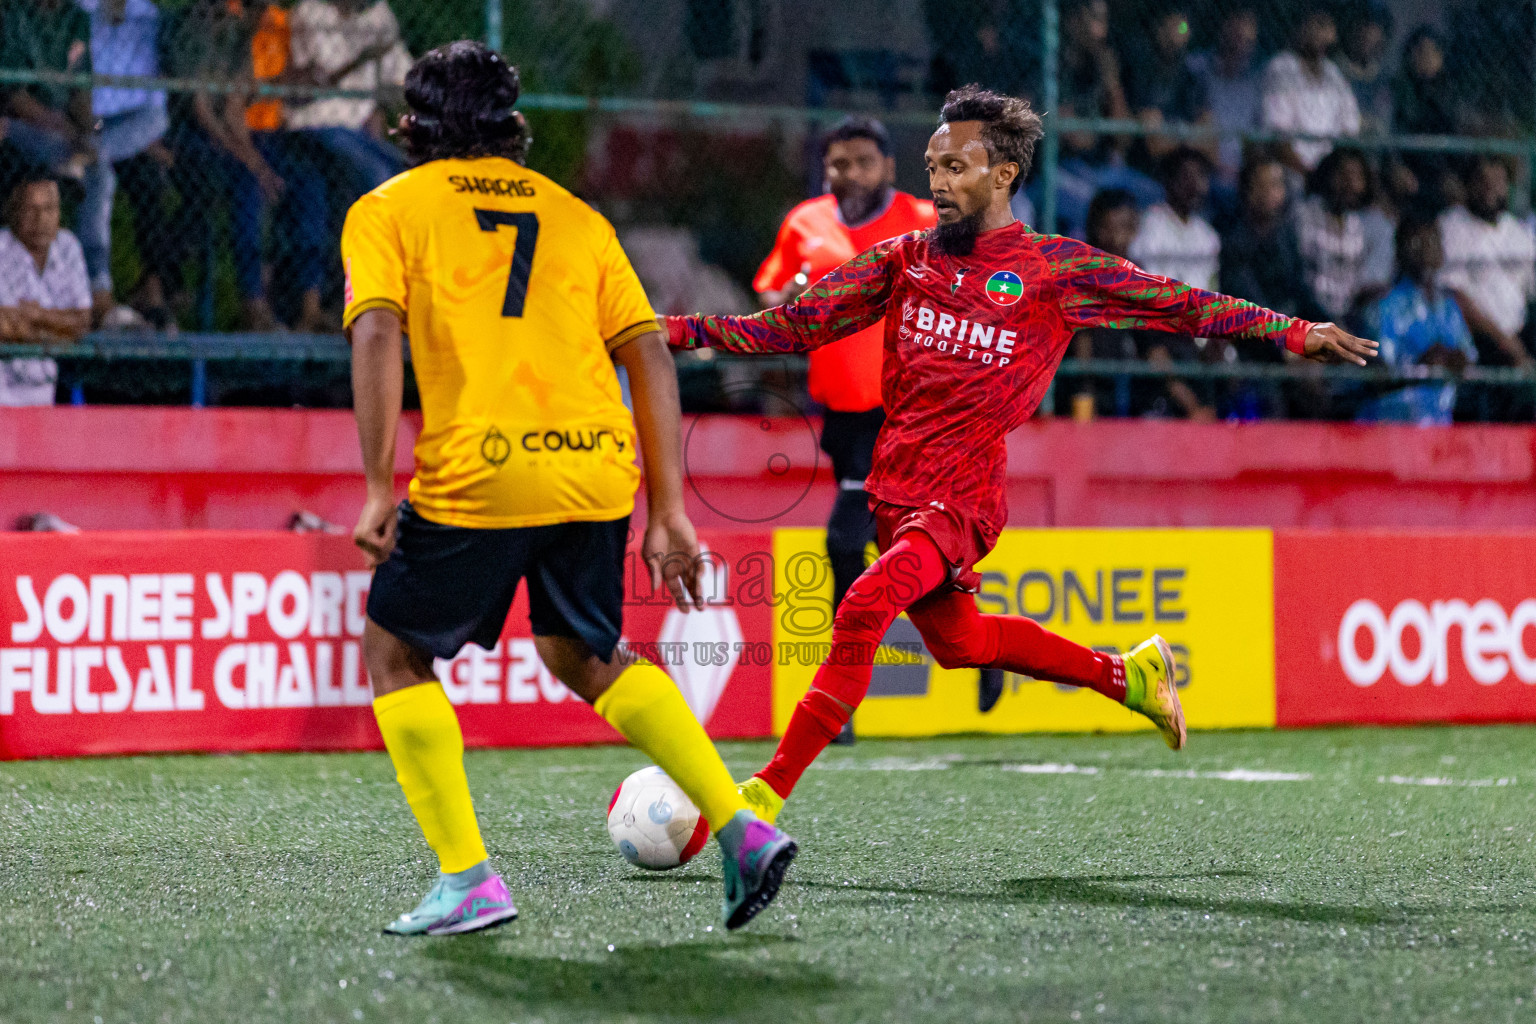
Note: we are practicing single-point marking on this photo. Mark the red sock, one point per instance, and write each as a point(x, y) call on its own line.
point(816, 722)
point(960, 636)
point(909, 569)
point(1030, 649)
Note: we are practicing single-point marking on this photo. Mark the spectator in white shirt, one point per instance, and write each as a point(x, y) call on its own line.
point(1490, 260)
point(1305, 93)
point(1335, 233)
point(348, 44)
point(1175, 240)
point(45, 293)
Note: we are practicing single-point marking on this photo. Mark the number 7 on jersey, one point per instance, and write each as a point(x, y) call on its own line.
point(527, 225)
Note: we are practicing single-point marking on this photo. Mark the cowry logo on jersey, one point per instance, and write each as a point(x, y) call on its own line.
point(959, 279)
point(970, 340)
point(1005, 288)
point(495, 448)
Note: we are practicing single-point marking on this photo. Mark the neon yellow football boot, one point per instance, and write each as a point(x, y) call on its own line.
point(1149, 674)
point(765, 803)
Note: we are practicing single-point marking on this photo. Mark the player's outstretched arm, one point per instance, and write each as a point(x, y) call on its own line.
point(671, 547)
point(378, 383)
point(844, 302)
point(1100, 290)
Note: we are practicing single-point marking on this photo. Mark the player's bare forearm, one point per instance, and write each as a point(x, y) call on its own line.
point(670, 547)
point(658, 418)
point(378, 384)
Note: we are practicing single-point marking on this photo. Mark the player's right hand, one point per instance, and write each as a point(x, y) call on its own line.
point(671, 549)
point(1328, 341)
point(375, 531)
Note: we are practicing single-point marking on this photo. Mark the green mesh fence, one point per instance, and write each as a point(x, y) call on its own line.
point(207, 151)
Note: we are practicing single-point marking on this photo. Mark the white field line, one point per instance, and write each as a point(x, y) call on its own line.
point(1432, 780)
point(1052, 768)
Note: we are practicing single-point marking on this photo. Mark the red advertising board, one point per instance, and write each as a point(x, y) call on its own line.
point(1404, 627)
point(114, 643)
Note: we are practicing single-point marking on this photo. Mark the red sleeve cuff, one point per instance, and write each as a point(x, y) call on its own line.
point(1296, 336)
point(677, 332)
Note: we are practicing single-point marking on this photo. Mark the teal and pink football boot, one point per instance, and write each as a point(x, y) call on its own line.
point(464, 902)
point(754, 857)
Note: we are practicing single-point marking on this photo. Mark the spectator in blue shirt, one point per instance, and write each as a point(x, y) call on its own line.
point(1233, 86)
point(1419, 324)
point(125, 41)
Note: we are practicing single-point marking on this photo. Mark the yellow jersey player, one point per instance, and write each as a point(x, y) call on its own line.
point(518, 302)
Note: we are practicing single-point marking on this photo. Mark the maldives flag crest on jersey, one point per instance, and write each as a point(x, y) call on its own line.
point(1005, 288)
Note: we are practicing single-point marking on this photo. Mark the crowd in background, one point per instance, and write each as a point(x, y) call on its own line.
point(277, 173)
point(1420, 249)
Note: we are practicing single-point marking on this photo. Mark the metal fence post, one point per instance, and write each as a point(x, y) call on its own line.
point(1050, 94)
point(493, 24)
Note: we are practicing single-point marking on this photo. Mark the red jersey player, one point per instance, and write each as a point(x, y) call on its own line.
point(981, 311)
point(861, 207)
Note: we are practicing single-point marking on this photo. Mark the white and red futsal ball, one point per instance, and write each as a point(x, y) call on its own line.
point(653, 823)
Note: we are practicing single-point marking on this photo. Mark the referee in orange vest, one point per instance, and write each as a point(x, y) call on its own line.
point(860, 208)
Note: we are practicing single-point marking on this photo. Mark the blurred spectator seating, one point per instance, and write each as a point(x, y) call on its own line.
point(1490, 261)
point(231, 147)
point(1418, 323)
point(1160, 86)
point(1305, 92)
point(45, 293)
point(125, 41)
point(1233, 86)
point(347, 44)
point(1341, 235)
point(1260, 256)
point(1424, 103)
point(1363, 45)
point(1176, 241)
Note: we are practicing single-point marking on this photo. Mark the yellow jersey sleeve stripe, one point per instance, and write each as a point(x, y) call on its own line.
point(360, 308)
point(630, 333)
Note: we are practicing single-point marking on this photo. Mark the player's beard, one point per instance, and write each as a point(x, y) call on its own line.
point(957, 238)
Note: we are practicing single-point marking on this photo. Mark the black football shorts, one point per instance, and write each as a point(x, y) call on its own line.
point(445, 586)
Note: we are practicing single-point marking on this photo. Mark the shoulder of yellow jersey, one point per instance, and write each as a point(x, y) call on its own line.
point(489, 178)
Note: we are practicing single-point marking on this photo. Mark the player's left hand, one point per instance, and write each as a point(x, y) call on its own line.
point(375, 530)
point(671, 549)
point(1327, 341)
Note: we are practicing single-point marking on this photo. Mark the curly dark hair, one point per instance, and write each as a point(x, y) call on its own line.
point(1009, 129)
point(461, 99)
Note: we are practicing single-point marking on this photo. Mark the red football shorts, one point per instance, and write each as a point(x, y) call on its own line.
point(961, 539)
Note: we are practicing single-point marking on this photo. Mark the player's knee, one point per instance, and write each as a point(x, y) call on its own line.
point(961, 652)
point(961, 644)
point(392, 663)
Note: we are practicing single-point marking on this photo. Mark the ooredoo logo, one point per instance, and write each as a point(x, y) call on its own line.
point(1493, 641)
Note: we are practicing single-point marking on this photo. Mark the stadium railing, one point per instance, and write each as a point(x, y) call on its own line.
point(188, 356)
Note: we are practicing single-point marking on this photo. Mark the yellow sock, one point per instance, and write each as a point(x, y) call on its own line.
point(422, 735)
point(645, 705)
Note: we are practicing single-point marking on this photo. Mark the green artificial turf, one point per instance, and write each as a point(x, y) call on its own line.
point(936, 882)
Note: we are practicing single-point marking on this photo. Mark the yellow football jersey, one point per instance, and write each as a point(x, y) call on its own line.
point(513, 293)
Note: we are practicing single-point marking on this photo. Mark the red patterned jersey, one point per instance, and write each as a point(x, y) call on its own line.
point(971, 344)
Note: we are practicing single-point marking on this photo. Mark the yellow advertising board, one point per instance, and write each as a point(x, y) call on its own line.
point(1210, 593)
